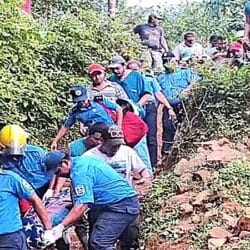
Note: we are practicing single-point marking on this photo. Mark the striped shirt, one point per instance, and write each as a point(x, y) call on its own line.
point(111, 90)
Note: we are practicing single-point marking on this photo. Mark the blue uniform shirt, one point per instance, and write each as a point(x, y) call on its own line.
point(173, 84)
point(30, 166)
point(97, 183)
point(92, 114)
point(152, 85)
point(134, 85)
point(12, 188)
point(77, 147)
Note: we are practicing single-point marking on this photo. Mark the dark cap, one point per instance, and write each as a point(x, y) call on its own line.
point(78, 93)
point(52, 159)
point(155, 16)
point(113, 135)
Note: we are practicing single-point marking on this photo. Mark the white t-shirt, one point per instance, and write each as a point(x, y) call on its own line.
point(125, 161)
point(196, 50)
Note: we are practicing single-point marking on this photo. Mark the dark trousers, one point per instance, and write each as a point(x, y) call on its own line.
point(169, 127)
point(13, 241)
point(151, 120)
point(107, 225)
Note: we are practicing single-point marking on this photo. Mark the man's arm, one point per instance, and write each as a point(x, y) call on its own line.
point(41, 211)
point(63, 130)
point(75, 213)
point(164, 43)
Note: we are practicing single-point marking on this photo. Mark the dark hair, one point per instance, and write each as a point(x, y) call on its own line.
point(213, 38)
point(188, 34)
point(220, 38)
point(134, 61)
point(97, 128)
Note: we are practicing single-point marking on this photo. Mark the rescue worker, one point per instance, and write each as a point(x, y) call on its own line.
point(94, 138)
point(176, 83)
point(96, 185)
point(128, 164)
point(152, 37)
point(151, 109)
point(24, 159)
point(87, 112)
point(12, 188)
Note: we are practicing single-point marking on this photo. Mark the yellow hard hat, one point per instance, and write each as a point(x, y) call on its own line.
point(13, 138)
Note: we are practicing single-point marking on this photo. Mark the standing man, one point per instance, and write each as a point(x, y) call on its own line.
point(96, 185)
point(152, 38)
point(137, 90)
point(24, 159)
point(101, 86)
point(176, 82)
point(151, 110)
point(190, 46)
point(13, 188)
point(87, 112)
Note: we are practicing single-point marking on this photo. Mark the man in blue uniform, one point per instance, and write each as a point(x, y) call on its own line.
point(176, 82)
point(87, 112)
point(97, 186)
point(13, 188)
point(94, 138)
point(24, 159)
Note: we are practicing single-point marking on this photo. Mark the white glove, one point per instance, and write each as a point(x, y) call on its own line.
point(49, 237)
point(58, 231)
point(49, 193)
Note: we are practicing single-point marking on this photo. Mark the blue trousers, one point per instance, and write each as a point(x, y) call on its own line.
point(151, 120)
point(141, 149)
point(111, 223)
point(13, 241)
point(169, 127)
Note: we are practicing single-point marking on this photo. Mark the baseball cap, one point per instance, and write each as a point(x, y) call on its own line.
point(52, 159)
point(95, 68)
point(116, 61)
point(78, 93)
point(153, 15)
point(236, 47)
point(113, 135)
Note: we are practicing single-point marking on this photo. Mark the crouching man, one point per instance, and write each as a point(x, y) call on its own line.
point(96, 185)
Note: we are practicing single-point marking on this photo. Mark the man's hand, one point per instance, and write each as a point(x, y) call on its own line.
point(48, 238)
point(54, 145)
point(143, 185)
point(172, 115)
point(58, 231)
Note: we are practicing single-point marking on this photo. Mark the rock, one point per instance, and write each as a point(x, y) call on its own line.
point(181, 198)
point(218, 233)
point(216, 243)
point(244, 224)
point(182, 167)
point(183, 187)
point(244, 234)
point(241, 147)
point(210, 213)
point(233, 206)
point(196, 219)
point(201, 198)
point(223, 141)
point(230, 220)
point(203, 175)
point(186, 208)
point(234, 240)
point(198, 161)
point(247, 212)
point(187, 178)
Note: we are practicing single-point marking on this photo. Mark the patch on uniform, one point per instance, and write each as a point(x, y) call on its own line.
point(26, 185)
point(79, 190)
point(78, 92)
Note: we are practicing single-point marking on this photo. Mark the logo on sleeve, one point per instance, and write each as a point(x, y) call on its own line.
point(26, 185)
point(79, 190)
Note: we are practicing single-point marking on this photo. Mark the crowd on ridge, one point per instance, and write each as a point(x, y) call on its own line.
point(93, 184)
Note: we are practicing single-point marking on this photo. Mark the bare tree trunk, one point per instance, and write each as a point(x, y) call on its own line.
point(112, 7)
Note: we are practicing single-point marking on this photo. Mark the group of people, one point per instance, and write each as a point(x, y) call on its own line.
point(95, 184)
